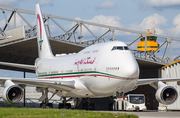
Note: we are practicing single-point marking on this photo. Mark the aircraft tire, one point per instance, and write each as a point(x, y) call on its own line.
point(85, 106)
point(49, 105)
point(122, 106)
point(61, 105)
point(68, 105)
point(117, 107)
point(110, 107)
point(43, 105)
point(92, 106)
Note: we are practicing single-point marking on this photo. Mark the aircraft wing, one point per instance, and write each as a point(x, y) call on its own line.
point(56, 84)
point(30, 67)
point(153, 80)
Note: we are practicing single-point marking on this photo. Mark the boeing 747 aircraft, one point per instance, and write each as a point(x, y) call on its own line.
point(100, 70)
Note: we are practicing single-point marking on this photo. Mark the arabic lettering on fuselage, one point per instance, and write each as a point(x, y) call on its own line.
point(85, 61)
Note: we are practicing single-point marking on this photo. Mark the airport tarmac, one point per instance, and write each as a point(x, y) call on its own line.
point(153, 114)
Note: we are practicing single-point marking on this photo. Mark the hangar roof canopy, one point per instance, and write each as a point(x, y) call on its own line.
point(25, 52)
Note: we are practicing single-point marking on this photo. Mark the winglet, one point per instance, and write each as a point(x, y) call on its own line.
point(44, 49)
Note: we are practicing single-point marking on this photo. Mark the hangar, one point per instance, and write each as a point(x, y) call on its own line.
point(19, 45)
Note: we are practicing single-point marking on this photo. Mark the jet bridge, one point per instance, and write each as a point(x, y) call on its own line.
point(18, 44)
point(171, 71)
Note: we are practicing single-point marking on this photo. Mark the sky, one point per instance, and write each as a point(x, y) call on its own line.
point(130, 14)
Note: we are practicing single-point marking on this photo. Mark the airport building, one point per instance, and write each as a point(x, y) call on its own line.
point(19, 45)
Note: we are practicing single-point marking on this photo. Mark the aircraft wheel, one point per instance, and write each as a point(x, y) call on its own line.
point(61, 105)
point(68, 105)
point(92, 106)
point(49, 105)
point(42, 105)
point(110, 106)
point(85, 106)
point(117, 106)
point(122, 106)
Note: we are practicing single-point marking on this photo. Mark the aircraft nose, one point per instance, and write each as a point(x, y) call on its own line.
point(131, 70)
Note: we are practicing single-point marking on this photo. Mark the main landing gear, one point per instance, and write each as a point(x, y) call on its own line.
point(65, 104)
point(88, 105)
point(46, 105)
point(45, 101)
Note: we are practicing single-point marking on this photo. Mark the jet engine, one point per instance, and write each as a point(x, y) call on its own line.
point(166, 94)
point(12, 93)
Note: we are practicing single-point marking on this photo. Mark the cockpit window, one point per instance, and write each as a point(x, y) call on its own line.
point(126, 48)
point(117, 48)
point(120, 48)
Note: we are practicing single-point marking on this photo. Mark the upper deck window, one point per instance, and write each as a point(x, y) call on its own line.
point(87, 52)
point(94, 51)
point(120, 48)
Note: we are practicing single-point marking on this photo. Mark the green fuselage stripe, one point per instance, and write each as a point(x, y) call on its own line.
point(86, 72)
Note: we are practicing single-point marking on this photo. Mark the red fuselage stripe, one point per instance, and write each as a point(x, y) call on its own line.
point(69, 76)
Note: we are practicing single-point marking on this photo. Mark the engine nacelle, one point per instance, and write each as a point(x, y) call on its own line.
point(166, 94)
point(12, 93)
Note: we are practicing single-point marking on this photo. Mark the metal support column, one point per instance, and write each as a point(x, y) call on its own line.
point(145, 43)
point(135, 41)
point(88, 29)
point(102, 36)
point(48, 29)
point(7, 23)
point(145, 51)
point(15, 19)
point(24, 19)
point(58, 25)
point(169, 41)
point(113, 34)
point(24, 91)
point(159, 48)
point(80, 32)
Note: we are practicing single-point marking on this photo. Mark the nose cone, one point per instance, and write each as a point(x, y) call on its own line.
point(131, 70)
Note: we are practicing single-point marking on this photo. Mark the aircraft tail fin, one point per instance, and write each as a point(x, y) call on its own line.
point(44, 49)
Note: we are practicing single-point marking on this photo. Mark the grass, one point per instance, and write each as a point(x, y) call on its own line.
point(57, 113)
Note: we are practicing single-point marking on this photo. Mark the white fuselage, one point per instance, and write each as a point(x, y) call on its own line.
point(99, 70)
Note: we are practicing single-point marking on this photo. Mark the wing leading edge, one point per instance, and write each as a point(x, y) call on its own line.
point(67, 85)
point(151, 81)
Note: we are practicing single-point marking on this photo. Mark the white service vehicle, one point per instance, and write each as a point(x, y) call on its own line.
point(131, 102)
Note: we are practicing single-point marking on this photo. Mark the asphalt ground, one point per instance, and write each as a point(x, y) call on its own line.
point(151, 114)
